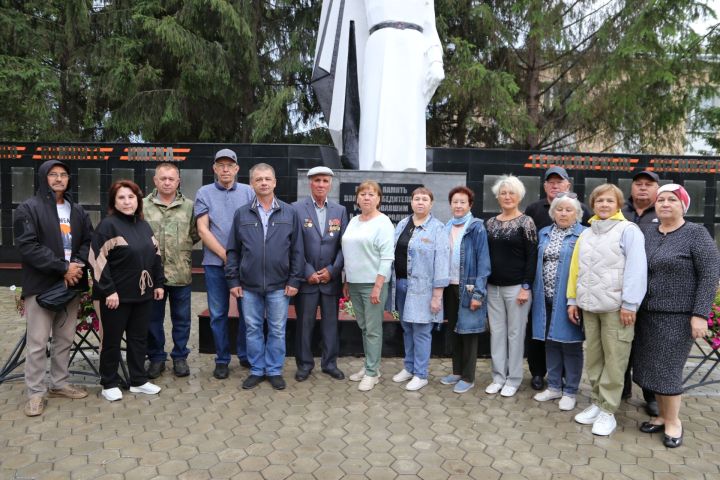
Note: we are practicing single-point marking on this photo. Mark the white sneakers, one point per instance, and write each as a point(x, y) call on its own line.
point(505, 390)
point(112, 394)
point(416, 384)
point(146, 388)
point(508, 391)
point(356, 377)
point(115, 394)
point(368, 383)
point(547, 395)
point(493, 388)
point(605, 424)
point(403, 376)
point(567, 403)
point(589, 415)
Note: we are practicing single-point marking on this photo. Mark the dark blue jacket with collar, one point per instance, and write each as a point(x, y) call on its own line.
point(264, 263)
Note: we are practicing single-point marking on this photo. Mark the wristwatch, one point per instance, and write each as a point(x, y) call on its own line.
point(525, 286)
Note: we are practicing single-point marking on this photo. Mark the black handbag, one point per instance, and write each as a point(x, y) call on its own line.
point(56, 297)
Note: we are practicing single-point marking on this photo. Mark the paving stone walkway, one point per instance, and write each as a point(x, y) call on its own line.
point(199, 427)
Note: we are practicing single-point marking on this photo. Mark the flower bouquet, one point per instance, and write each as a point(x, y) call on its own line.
point(346, 307)
point(713, 336)
point(87, 316)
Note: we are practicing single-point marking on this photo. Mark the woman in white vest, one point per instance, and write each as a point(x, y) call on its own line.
point(608, 279)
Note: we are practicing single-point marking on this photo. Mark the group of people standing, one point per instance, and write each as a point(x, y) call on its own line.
point(583, 287)
point(578, 285)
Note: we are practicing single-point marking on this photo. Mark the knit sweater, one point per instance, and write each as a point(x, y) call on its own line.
point(683, 269)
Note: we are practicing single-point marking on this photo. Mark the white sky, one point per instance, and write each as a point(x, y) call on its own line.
point(701, 26)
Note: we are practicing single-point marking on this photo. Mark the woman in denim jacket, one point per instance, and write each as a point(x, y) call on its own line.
point(422, 255)
point(465, 296)
point(563, 339)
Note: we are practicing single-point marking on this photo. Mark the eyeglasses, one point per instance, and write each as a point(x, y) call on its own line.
point(58, 175)
point(572, 195)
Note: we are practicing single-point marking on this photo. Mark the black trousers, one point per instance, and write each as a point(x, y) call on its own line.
point(306, 308)
point(648, 395)
point(464, 346)
point(131, 319)
point(535, 351)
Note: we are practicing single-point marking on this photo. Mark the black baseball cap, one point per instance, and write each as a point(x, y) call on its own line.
point(652, 175)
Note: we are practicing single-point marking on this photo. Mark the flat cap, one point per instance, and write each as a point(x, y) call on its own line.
point(226, 153)
point(320, 171)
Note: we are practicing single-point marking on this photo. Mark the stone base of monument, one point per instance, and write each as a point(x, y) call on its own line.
point(349, 333)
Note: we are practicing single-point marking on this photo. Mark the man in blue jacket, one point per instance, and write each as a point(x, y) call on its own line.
point(264, 267)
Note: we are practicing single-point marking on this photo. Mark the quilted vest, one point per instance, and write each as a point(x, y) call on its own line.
point(602, 265)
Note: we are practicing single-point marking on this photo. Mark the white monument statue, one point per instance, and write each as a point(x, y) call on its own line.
point(378, 63)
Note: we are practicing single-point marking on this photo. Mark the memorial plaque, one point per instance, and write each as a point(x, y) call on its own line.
point(395, 199)
point(397, 188)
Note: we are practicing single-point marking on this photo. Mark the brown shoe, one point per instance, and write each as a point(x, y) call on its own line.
point(35, 406)
point(68, 391)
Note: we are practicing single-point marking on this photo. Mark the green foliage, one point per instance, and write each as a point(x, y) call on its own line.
point(540, 74)
point(548, 74)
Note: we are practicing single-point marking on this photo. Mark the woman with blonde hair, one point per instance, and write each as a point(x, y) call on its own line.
point(608, 279)
point(512, 239)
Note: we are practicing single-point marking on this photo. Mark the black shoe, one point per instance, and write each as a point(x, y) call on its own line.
point(155, 369)
point(252, 381)
point(245, 363)
point(672, 442)
point(651, 408)
point(301, 375)
point(277, 382)
point(537, 382)
point(335, 373)
point(180, 368)
point(647, 427)
point(221, 371)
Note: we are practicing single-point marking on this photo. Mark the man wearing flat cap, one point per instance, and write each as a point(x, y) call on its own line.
point(215, 205)
point(323, 224)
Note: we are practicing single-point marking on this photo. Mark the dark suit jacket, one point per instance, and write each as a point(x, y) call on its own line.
point(322, 251)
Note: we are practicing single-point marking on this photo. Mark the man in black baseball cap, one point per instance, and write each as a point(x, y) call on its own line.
point(640, 205)
point(640, 208)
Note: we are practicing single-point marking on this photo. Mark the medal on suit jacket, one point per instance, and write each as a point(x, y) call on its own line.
point(333, 226)
point(308, 223)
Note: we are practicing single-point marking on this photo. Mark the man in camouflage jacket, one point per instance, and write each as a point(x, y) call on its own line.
point(170, 215)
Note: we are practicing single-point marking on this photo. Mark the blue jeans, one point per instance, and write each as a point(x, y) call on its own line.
point(218, 295)
point(567, 357)
point(417, 336)
point(266, 358)
point(180, 317)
